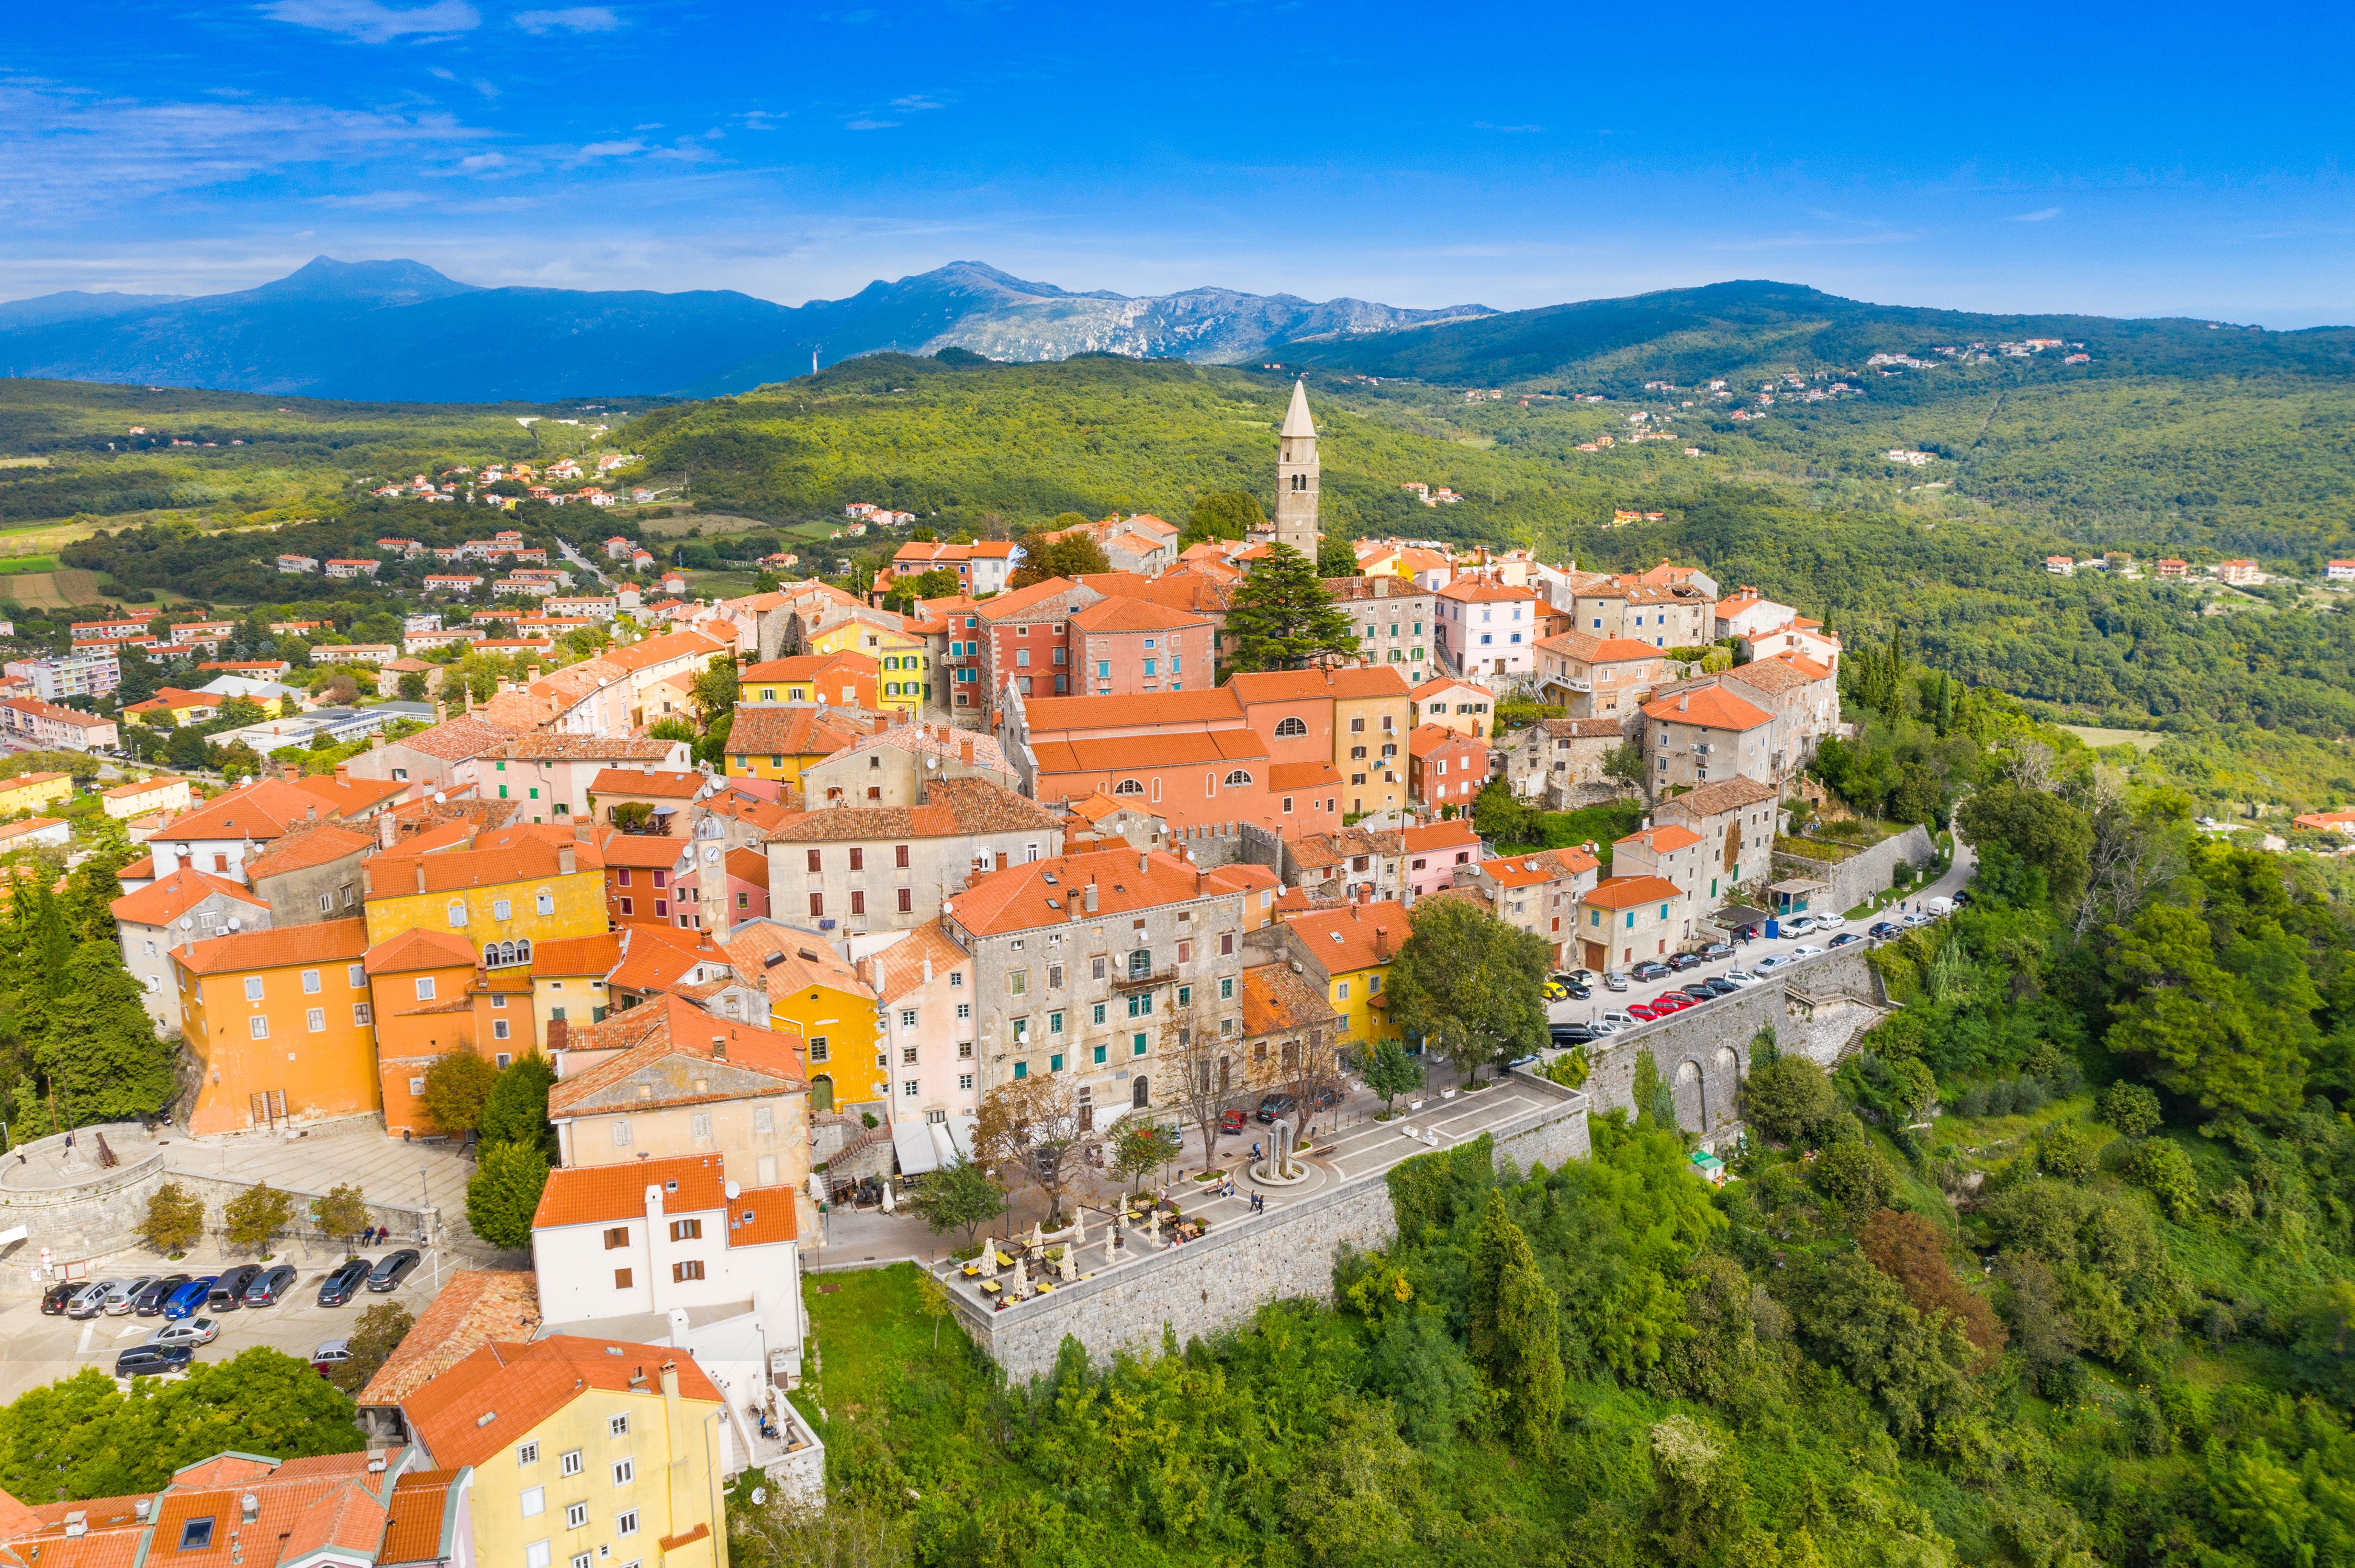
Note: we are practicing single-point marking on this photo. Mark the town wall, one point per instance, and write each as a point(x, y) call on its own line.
point(1220, 1280)
point(1866, 872)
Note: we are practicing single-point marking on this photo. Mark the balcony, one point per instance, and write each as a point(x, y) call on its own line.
point(1146, 981)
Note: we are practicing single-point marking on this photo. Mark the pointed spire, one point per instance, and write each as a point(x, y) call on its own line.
point(1296, 422)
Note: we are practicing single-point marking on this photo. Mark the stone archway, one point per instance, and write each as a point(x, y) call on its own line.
point(1692, 1096)
point(1725, 1077)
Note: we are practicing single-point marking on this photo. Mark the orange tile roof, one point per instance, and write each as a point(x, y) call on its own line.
point(657, 958)
point(1592, 650)
point(1627, 892)
point(669, 1029)
point(1721, 795)
point(1357, 681)
point(143, 786)
point(654, 650)
point(1482, 590)
point(419, 949)
point(1125, 614)
point(1667, 838)
point(748, 865)
point(1021, 898)
point(1050, 717)
point(418, 1529)
point(791, 732)
point(1113, 754)
point(900, 967)
point(1528, 870)
point(1439, 684)
point(1013, 606)
point(1301, 776)
point(1455, 833)
point(260, 811)
point(1425, 739)
point(317, 844)
point(1711, 707)
point(645, 850)
point(809, 667)
point(629, 781)
point(328, 941)
point(489, 1401)
point(601, 1194)
point(1345, 940)
point(1274, 999)
point(577, 955)
point(398, 872)
point(1244, 877)
point(160, 902)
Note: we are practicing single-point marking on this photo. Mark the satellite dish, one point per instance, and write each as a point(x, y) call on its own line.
point(234, 922)
point(760, 1496)
point(733, 1191)
point(188, 923)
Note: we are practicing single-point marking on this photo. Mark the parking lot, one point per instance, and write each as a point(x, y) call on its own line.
point(41, 1350)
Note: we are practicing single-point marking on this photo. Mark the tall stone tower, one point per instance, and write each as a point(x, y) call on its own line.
point(1295, 476)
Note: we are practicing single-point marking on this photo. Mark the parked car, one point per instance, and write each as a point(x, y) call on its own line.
point(1270, 1109)
point(189, 1298)
point(54, 1299)
point(344, 1280)
point(1680, 963)
point(1938, 907)
point(1579, 992)
point(1962, 897)
point(330, 1355)
point(1556, 992)
point(1845, 937)
point(90, 1300)
point(1324, 1098)
point(272, 1288)
point(394, 1267)
point(1720, 985)
point(1772, 962)
point(1670, 1001)
point(1796, 925)
point(1804, 951)
point(1717, 950)
point(150, 1300)
point(1831, 922)
point(154, 1360)
point(187, 1331)
point(1576, 977)
point(1884, 929)
point(1233, 1119)
point(118, 1300)
point(1642, 1012)
point(1740, 977)
point(1614, 981)
point(1912, 917)
point(228, 1290)
point(1650, 969)
point(1568, 1034)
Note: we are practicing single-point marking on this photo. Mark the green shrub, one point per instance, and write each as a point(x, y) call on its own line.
point(2132, 1109)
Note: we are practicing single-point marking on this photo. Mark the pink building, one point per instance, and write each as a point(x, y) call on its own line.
point(1432, 853)
point(1445, 768)
point(1124, 645)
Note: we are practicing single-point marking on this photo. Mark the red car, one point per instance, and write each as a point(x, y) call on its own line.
point(1232, 1120)
point(1644, 1011)
point(1665, 1005)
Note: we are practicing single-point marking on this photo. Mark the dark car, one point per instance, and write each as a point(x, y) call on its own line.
point(1721, 986)
point(54, 1299)
point(1579, 993)
point(189, 1298)
point(272, 1288)
point(1680, 963)
point(1325, 1099)
point(1844, 939)
point(394, 1267)
point(150, 1300)
point(1568, 1034)
point(345, 1281)
point(1276, 1105)
point(1717, 950)
point(228, 1290)
point(1702, 990)
point(1885, 929)
point(1650, 969)
point(1962, 897)
point(152, 1361)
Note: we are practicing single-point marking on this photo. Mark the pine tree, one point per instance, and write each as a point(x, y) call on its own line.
point(1282, 619)
point(1498, 1247)
point(96, 1043)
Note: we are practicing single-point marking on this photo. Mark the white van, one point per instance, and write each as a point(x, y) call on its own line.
point(1938, 909)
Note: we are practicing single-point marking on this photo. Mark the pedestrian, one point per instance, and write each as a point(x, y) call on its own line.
point(1254, 1149)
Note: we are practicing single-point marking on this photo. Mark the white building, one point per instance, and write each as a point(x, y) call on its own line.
point(1486, 628)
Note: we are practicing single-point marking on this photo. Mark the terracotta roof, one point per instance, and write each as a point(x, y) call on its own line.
point(476, 1306)
point(1345, 940)
point(1275, 1000)
point(29, 825)
point(1020, 602)
point(931, 740)
point(1021, 898)
point(1051, 717)
point(951, 806)
point(1439, 684)
point(1582, 728)
point(1423, 839)
point(1483, 590)
point(809, 667)
point(398, 872)
point(653, 959)
point(160, 902)
point(1711, 707)
point(1530, 870)
point(740, 805)
point(419, 949)
point(577, 955)
point(491, 1399)
point(794, 731)
point(1357, 681)
point(539, 747)
point(317, 844)
point(748, 865)
point(652, 850)
point(1205, 588)
point(328, 941)
point(1244, 877)
point(1667, 838)
point(455, 740)
point(1717, 796)
point(419, 1527)
point(1771, 676)
point(1110, 754)
point(661, 784)
point(783, 961)
point(1317, 851)
point(1133, 615)
point(654, 650)
point(139, 786)
point(1427, 738)
point(1301, 776)
point(1592, 650)
point(673, 1053)
point(1627, 892)
point(19, 780)
point(260, 811)
point(601, 1194)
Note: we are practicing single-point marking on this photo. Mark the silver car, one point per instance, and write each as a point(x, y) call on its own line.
point(1740, 977)
point(90, 1300)
point(188, 1331)
point(119, 1300)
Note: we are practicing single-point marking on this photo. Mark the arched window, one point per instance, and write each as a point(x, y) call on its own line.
point(523, 950)
point(1290, 726)
point(1239, 776)
point(1138, 1096)
point(1128, 787)
point(457, 911)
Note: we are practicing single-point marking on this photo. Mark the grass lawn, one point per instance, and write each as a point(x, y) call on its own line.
point(1604, 825)
point(12, 565)
point(870, 1333)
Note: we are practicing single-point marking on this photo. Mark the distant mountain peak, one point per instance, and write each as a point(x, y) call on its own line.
point(395, 283)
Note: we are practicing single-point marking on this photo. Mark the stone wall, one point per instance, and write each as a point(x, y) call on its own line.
point(1219, 1281)
point(1866, 872)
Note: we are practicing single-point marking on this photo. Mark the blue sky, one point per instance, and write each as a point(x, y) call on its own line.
point(2051, 157)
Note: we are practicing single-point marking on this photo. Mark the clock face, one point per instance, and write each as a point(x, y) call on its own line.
point(710, 852)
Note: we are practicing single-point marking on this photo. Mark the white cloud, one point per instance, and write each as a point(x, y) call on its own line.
point(863, 123)
point(611, 149)
point(572, 20)
point(2039, 215)
point(373, 22)
point(1509, 130)
point(918, 102)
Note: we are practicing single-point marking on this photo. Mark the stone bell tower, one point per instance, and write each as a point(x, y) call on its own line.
point(1295, 476)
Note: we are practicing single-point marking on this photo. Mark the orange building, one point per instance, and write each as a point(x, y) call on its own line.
point(282, 1025)
point(431, 998)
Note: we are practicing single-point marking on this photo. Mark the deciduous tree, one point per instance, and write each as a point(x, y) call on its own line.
point(1469, 984)
point(959, 1196)
point(373, 1339)
point(174, 1220)
point(504, 1193)
point(253, 1219)
point(456, 1085)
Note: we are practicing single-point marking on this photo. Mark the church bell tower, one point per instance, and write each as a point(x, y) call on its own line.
point(1295, 476)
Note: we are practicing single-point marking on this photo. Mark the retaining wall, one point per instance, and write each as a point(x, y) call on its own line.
point(1219, 1281)
point(1867, 872)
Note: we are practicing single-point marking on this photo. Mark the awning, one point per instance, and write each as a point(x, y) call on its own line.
point(945, 1150)
point(1735, 916)
point(914, 1144)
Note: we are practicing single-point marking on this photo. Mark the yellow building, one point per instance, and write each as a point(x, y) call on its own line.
point(1370, 709)
point(1349, 950)
point(902, 661)
point(813, 993)
point(163, 792)
point(31, 792)
point(281, 1026)
point(779, 742)
point(567, 980)
point(582, 1450)
point(191, 707)
point(826, 679)
point(502, 901)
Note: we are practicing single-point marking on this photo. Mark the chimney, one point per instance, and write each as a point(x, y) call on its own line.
point(567, 863)
point(964, 752)
point(882, 723)
point(1682, 703)
point(1357, 910)
point(557, 1032)
point(376, 741)
point(1144, 861)
point(248, 1508)
point(343, 772)
point(291, 771)
point(1002, 860)
point(420, 873)
point(440, 712)
point(1383, 942)
point(1090, 898)
point(580, 830)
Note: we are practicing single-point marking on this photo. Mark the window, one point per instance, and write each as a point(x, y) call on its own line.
point(545, 902)
point(1136, 1044)
point(527, 1455)
point(457, 912)
point(699, 1126)
point(1226, 944)
point(1128, 787)
point(1017, 982)
point(1241, 776)
point(908, 1088)
point(813, 863)
point(195, 1534)
point(536, 1555)
point(1227, 990)
point(965, 1080)
point(498, 1028)
point(906, 901)
point(1290, 726)
point(570, 1463)
point(817, 1048)
point(619, 1426)
point(627, 1524)
point(576, 1517)
point(355, 976)
point(532, 1501)
point(416, 1085)
point(818, 906)
point(253, 988)
point(624, 1471)
point(685, 1230)
point(314, 1020)
point(309, 982)
point(502, 910)
point(680, 1273)
point(617, 1236)
point(622, 1133)
point(257, 1026)
point(858, 856)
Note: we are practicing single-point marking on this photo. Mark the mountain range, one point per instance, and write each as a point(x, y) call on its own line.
point(400, 331)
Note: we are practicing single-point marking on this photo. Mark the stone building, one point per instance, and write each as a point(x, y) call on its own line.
point(1298, 472)
point(862, 868)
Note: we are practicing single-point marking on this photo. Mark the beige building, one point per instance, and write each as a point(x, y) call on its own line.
point(1452, 703)
point(1736, 819)
point(667, 1079)
point(163, 792)
point(1591, 676)
point(1536, 892)
point(1663, 615)
point(1704, 734)
point(1392, 617)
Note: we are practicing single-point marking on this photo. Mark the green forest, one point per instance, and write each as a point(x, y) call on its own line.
point(2054, 1271)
